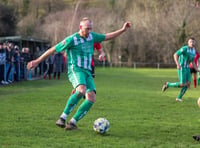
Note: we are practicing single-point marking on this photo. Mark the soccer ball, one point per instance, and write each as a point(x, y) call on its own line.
point(101, 125)
point(198, 102)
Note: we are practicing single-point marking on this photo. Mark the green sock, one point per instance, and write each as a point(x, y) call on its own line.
point(72, 102)
point(83, 109)
point(176, 84)
point(182, 92)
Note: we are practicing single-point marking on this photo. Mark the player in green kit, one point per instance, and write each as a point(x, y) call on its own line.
point(183, 57)
point(79, 48)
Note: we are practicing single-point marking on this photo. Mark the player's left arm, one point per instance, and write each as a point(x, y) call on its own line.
point(116, 33)
point(197, 59)
point(101, 52)
point(195, 66)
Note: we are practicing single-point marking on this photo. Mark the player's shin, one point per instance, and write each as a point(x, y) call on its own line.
point(72, 102)
point(83, 109)
point(175, 84)
point(182, 92)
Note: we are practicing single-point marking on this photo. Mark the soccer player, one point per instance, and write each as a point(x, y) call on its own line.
point(193, 70)
point(183, 57)
point(79, 48)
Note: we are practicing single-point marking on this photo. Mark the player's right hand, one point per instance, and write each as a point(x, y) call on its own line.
point(32, 64)
point(178, 66)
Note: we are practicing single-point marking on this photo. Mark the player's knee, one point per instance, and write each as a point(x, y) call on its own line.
point(82, 92)
point(81, 89)
point(91, 96)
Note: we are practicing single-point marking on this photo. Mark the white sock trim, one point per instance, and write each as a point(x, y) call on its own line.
point(63, 116)
point(73, 121)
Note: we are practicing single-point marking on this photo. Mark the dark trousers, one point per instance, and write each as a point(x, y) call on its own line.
point(1, 72)
point(16, 74)
point(8, 72)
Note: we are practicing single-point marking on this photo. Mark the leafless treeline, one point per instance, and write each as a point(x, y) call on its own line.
point(159, 27)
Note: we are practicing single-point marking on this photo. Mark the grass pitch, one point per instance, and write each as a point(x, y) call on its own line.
point(140, 115)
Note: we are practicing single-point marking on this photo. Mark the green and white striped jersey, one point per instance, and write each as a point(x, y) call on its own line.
point(79, 50)
point(186, 56)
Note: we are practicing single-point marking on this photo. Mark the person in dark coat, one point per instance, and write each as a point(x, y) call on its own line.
point(57, 65)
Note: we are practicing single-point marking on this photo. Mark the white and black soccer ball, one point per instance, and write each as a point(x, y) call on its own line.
point(101, 125)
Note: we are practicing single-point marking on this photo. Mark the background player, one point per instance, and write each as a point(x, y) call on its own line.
point(182, 58)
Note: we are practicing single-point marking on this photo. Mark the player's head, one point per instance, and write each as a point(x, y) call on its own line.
point(85, 27)
point(191, 42)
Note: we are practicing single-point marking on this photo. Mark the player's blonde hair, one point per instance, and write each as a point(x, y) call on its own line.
point(84, 20)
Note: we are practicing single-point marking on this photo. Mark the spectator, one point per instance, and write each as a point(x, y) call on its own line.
point(27, 59)
point(2, 64)
point(24, 58)
point(9, 63)
point(36, 55)
point(63, 63)
point(57, 65)
point(49, 67)
point(16, 63)
point(22, 63)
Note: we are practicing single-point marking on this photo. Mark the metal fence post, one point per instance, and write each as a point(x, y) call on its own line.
point(158, 65)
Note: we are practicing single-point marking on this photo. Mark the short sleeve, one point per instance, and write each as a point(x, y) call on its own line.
point(64, 45)
point(182, 50)
point(98, 38)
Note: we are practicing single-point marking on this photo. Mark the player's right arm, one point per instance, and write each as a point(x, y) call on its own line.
point(176, 61)
point(178, 53)
point(34, 63)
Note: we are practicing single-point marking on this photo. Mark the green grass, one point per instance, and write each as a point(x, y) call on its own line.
point(140, 115)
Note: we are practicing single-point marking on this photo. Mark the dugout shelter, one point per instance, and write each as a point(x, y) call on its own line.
point(29, 42)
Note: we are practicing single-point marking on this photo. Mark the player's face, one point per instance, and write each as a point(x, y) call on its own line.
point(86, 28)
point(191, 43)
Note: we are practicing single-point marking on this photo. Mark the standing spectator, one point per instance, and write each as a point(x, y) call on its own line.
point(183, 57)
point(57, 65)
point(79, 47)
point(22, 64)
point(2, 64)
point(24, 59)
point(5, 46)
point(27, 59)
point(49, 67)
point(16, 63)
point(9, 62)
point(63, 63)
point(37, 53)
point(27, 55)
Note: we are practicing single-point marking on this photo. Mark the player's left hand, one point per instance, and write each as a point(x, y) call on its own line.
point(102, 57)
point(126, 26)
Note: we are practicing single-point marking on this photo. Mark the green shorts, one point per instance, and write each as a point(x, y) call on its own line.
point(184, 75)
point(79, 76)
